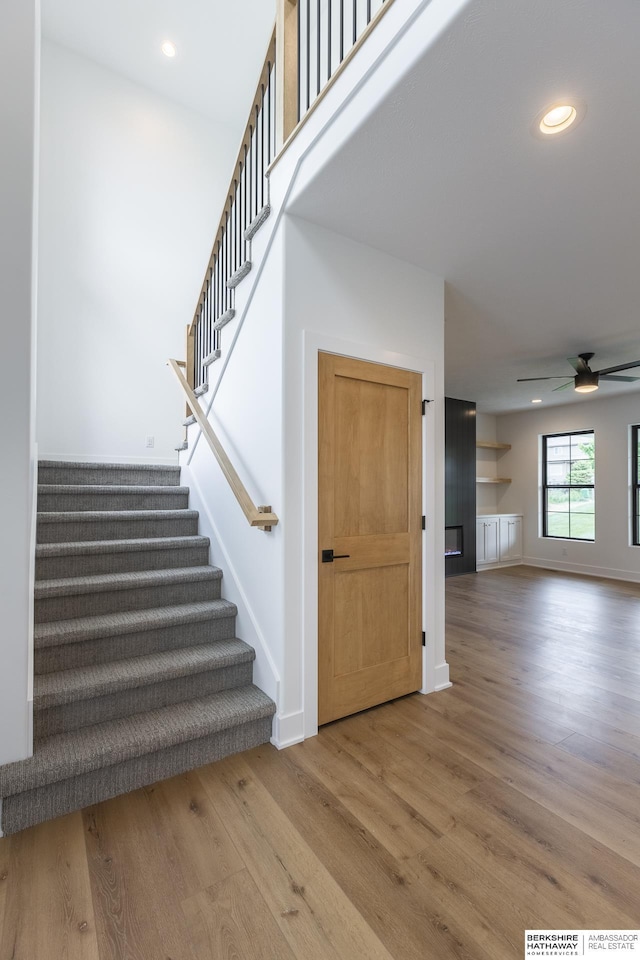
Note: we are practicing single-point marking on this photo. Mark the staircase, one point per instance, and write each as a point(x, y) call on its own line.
point(138, 673)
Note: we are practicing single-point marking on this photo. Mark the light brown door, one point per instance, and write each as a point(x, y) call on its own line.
point(370, 509)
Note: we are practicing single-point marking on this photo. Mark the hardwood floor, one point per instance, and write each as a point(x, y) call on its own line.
point(430, 828)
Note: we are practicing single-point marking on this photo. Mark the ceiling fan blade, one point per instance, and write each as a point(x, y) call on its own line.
point(621, 366)
point(563, 386)
point(607, 376)
point(529, 379)
point(578, 364)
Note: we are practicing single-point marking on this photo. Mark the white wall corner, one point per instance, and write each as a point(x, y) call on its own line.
point(288, 728)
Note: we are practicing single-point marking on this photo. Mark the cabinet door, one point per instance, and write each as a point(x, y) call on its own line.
point(480, 557)
point(510, 538)
point(491, 553)
point(515, 539)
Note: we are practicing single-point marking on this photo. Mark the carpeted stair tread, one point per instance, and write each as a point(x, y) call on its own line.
point(88, 516)
point(90, 489)
point(81, 547)
point(104, 744)
point(68, 686)
point(107, 473)
point(134, 580)
point(59, 632)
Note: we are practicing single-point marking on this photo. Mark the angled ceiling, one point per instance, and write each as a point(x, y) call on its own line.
point(539, 241)
point(220, 46)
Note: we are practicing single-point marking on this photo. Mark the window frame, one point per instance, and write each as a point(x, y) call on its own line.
point(635, 485)
point(563, 486)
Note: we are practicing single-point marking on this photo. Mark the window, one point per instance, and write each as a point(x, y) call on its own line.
point(568, 503)
point(635, 483)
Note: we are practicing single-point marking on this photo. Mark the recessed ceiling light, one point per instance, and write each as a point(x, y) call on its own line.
point(537, 401)
point(558, 117)
point(169, 49)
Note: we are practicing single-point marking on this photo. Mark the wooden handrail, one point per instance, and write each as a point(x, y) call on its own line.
point(257, 516)
point(246, 140)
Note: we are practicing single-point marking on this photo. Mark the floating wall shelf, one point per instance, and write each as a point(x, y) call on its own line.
point(492, 445)
point(493, 479)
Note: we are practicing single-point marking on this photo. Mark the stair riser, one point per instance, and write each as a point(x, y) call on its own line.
point(120, 529)
point(125, 703)
point(89, 652)
point(108, 475)
point(144, 598)
point(61, 502)
point(56, 799)
point(86, 565)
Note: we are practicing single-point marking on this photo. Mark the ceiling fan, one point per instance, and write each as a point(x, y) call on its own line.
point(586, 380)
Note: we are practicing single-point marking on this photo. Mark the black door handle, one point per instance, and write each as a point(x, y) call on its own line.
point(328, 557)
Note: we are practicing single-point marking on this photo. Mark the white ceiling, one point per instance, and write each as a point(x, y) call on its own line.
point(221, 46)
point(539, 241)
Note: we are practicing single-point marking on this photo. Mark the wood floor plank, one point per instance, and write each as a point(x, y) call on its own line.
point(230, 920)
point(567, 877)
point(314, 915)
point(404, 914)
point(396, 824)
point(195, 838)
point(136, 881)
point(48, 909)
point(614, 761)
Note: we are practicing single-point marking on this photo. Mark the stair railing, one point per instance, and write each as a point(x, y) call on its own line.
point(245, 209)
point(261, 516)
point(312, 42)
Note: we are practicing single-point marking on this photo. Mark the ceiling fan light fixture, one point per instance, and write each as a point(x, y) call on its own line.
point(586, 382)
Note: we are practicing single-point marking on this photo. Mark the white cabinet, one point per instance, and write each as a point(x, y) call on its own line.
point(510, 538)
point(487, 544)
point(498, 540)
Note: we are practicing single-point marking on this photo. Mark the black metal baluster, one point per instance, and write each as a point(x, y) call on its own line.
point(355, 20)
point(368, 11)
point(262, 148)
point(251, 214)
point(256, 163)
point(299, 29)
point(318, 37)
point(330, 2)
point(308, 26)
point(341, 30)
point(268, 114)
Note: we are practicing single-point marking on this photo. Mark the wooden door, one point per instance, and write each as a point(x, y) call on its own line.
point(370, 509)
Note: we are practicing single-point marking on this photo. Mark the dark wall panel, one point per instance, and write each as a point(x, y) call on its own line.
point(460, 480)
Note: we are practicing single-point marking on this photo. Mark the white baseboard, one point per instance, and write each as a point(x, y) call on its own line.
point(498, 565)
point(607, 573)
point(288, 729)
point(94, 458)
point(440, 679)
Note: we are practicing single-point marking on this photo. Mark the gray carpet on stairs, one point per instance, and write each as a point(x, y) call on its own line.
point(139, 675)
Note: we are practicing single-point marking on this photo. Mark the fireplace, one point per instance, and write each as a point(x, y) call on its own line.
point(453, 542)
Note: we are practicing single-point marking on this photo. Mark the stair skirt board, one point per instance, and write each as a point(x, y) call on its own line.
point(138, 674)
point(23, 810)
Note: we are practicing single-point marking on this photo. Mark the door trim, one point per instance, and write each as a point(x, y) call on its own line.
point(435, 670)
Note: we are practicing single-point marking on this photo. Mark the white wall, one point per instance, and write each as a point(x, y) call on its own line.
point(131, 190)
point(611, 554)
point(347, 298)
point(19, 67)
point(487, 463)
